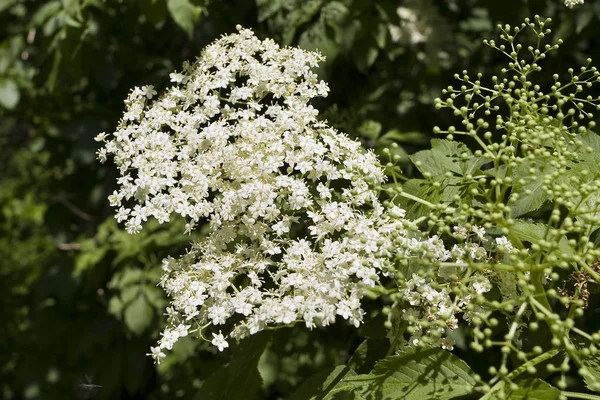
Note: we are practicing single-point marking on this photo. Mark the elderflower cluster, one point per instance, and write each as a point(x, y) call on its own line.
point(572, 3)
point(431, 301)
point(297, 231)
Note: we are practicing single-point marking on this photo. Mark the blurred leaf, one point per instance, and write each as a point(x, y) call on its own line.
point(138, 314)
point(369, 129)
point(5, 4)
point(89, 255)
point(71, 6)
point(45, 11)
point(395, 135)
point(9, 94)
point(239, 379)
point(267, 8)
point(583, 20)
point(185, 14)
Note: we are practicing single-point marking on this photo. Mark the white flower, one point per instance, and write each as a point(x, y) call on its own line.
point(448, 343)
point(156, 353)
point(460, 232)
point(480, 232)
point(504, 245)
point(219, 341)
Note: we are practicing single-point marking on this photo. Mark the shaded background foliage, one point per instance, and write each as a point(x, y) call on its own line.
point(78, 296)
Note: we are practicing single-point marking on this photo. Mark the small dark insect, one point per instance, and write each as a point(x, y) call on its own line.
point(88, 389)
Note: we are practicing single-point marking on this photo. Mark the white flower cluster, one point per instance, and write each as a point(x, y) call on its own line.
point(429, 298)
point(297, 230)
point(572, 3)
point(297, 233)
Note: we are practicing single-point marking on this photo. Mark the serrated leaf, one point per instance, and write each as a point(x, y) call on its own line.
point(138, 314)
point(412, 375)
point(590, 139)
point(533, 232)
point(532, 194)
point(316, 386)
point(185, 14)
point(534, 389)
point(422, 189)
point(9, 94)
point(590, 362)
point(239, 379)
point(447, 190)
point(529, 389)
point(367, 354)
point(444, 156)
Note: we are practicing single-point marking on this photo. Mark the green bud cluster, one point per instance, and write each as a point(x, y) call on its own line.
point(535, 178)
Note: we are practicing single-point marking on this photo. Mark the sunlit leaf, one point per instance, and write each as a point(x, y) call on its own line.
point(9, 94)
point(138, 315)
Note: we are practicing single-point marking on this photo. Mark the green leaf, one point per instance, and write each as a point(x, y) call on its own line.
point(9, 94)
point(416, 374)
point(534, 389)
point(71, 6)
point(422, 189)
point(533, 232)
point(5, 4)
point(267, 8)
point(448, 189)
point(238, 379)
point(316, 38)
point(369, 129)
point(532, 194)
point(529, 389)
point(44, 13)
point(444, 156)
point(321, 383)
point(138, 315)
point(367, 354)
point(591, 364)
point(185, 14)
point(90, 254)
point(583, 19)
point(395, 135)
